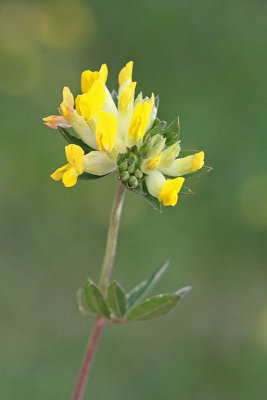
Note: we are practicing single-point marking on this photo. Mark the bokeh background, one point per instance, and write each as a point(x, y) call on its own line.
point(206, 60)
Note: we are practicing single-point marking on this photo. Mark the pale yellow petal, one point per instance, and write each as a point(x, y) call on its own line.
point(53, 121)
point(98, 163)
point(155, 182)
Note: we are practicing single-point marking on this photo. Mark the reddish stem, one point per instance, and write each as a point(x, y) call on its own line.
point(88, 359)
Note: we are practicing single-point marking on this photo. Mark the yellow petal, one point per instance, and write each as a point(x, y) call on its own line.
point(89, 104)
point(86, 81)
point(170, 190)
point(89, 77)
point(68, 98)
point(198, 161)
point(127, 95)
point(150, 164)
point(69, 178)
point(66, 107)
point(103, 73)
point(126, 72)
point(58, 174)
point(74, 155)
point(106, 131)
point(140, 119)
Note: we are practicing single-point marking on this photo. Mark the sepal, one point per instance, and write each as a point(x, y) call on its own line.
point(73, 140)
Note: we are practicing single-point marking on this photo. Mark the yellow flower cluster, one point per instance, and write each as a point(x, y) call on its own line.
point(120, 133)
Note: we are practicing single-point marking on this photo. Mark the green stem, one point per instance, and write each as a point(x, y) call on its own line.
point(103, 284)
point(112, 239)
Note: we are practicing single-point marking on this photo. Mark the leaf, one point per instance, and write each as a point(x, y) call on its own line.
point(95, 300)
point(137, 190)
point(186, 190)
point(89, 177)
point(153, 307)
point(143, 288)
point(80, 305)
point(202, 171)
point(185, 153)
point(117, 299)
point(174, 127)
point(183, 291)
point(73, 140)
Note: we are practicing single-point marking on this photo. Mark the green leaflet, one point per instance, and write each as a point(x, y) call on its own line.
point(153, 307)
point(202, 171)
point(116, 298)
point(95, 300)
point(73, 140)
point(143, 288)
point(134, 295)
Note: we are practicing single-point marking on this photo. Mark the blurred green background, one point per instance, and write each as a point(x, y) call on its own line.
point(206, 60)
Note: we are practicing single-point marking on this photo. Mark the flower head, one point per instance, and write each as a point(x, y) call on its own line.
point(122, 132)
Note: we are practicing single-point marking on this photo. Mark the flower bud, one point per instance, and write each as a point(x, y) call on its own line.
point(138, 174)
point(133, 182)
point(131, 167)
point(123, 166)
point(125, 176)
point(154, 146)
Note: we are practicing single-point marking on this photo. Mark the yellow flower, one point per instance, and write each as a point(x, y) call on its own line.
point(66, 111)
point(69, 172)
point(89, 77)
point(117, 129)
point(170, 190)
point(166, 190)
point(183, 166)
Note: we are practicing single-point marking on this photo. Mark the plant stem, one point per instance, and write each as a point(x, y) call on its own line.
point(103, 284)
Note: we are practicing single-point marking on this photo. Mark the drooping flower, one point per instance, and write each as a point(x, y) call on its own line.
point(121, 132)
